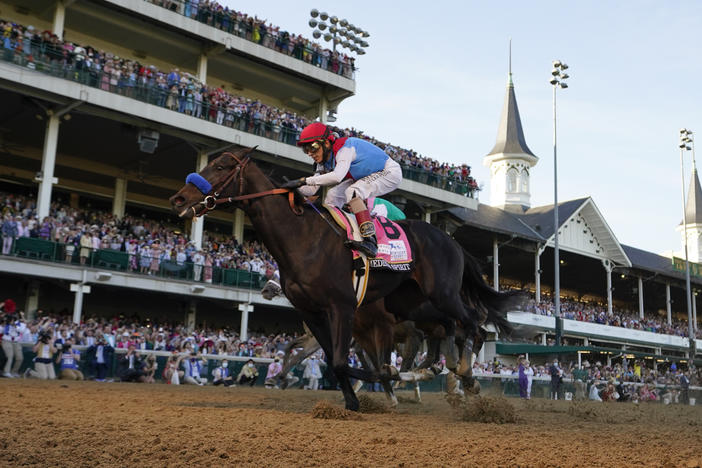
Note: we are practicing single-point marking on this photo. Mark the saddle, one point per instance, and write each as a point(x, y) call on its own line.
point(394, 251)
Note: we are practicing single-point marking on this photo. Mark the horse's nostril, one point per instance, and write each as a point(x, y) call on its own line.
point(179, 200)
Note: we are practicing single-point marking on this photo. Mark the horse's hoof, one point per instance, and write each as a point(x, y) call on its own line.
point(436, 369)
point(473, 389)
point(391, 371)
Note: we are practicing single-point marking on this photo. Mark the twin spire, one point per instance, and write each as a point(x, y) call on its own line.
point(510, 160)
point(510, 136)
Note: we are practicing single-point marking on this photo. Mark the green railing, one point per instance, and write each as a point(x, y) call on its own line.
point(450, 184)
point(107, 259)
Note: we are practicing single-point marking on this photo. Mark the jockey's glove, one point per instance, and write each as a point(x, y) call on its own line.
point(295, 183)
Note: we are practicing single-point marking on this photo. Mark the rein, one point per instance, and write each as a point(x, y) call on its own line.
point(212, 201)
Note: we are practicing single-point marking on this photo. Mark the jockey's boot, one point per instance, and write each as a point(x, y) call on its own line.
point(369, 244)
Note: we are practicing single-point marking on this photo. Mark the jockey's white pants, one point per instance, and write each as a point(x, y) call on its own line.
point(373, 185)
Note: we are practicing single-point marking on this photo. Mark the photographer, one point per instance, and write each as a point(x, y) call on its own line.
point(43, 362)
point(99, 355)
point(12, 331)
point(194, 369)
point(131, 367)
point(68, 358)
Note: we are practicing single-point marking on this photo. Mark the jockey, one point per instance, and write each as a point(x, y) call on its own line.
point(356, 168)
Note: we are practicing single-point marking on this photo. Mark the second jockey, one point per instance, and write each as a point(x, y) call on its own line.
point(357, 170)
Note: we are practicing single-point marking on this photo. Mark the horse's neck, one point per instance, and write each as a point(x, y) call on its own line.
point(272, 218)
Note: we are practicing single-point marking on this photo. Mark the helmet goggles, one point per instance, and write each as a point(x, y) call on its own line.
point(310, 148)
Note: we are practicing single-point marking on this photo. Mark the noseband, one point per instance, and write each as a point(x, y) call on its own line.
point(212, 200)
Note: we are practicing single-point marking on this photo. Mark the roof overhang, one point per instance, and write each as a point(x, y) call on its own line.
point(590, 235)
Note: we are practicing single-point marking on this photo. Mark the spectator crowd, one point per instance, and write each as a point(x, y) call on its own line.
point(151, 244)
point(182, 92)
point(625, 380)
point(256, 30)
point(594, 313)
point(55, 338)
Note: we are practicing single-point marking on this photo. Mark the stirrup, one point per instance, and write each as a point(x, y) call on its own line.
point(367, 246)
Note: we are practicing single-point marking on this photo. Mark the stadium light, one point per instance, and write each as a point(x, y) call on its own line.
point(687, 144)
point(338, 31)
point(557, 80)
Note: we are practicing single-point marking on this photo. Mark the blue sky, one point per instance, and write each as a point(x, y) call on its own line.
point(434, 79)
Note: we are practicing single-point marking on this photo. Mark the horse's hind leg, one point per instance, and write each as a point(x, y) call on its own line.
point(465, 369)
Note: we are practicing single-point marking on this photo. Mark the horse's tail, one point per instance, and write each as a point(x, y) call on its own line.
point(478, 294)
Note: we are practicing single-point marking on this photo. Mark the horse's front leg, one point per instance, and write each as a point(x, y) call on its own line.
point(309, 345)
point(340, 321)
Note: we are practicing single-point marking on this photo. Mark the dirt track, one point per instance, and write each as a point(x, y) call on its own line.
point(91, 424)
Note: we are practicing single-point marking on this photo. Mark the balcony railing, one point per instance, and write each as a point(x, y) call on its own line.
point(107, 259)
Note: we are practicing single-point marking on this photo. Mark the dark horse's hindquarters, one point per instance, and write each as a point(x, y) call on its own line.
point(316, 268)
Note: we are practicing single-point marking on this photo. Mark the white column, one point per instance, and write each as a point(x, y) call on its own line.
point(119, 201)
point(641, 299)
point(586, 342)
point(191, 316)
point(580, 361)
point(537, 274)
point(238, 226)
point(667, 304)
point(202, 68)
point(80, 289)
point(543, 339)
point(59, 19)
point(608, 266)
point(323, 109)
point(198, 224)
point(32, 303)
point(427, 216)
point(245, 309)
point(495, 265)
point(48, 163)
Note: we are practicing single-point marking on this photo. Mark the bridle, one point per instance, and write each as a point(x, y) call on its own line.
point(211, 202)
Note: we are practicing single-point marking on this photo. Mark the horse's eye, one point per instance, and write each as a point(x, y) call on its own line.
point(220, 168)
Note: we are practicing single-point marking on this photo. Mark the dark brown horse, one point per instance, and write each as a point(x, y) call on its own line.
point(316, 268)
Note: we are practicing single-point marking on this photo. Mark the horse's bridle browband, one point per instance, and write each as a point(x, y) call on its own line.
point(212, 201)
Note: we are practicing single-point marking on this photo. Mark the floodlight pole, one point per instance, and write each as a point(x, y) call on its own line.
point(684, 139)
point(556, 253)
point(557, 80)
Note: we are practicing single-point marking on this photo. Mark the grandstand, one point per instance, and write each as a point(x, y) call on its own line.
point(108, 104)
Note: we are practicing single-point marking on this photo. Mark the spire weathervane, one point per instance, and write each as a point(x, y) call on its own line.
point(510, 63)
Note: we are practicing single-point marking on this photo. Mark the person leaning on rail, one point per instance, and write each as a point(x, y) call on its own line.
point(356, 168)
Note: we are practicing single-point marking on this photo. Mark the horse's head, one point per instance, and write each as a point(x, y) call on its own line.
point(222, 177)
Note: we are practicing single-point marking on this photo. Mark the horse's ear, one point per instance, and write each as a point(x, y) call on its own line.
point(251, 150)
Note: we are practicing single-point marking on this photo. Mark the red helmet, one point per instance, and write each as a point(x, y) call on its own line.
point(313, 132)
